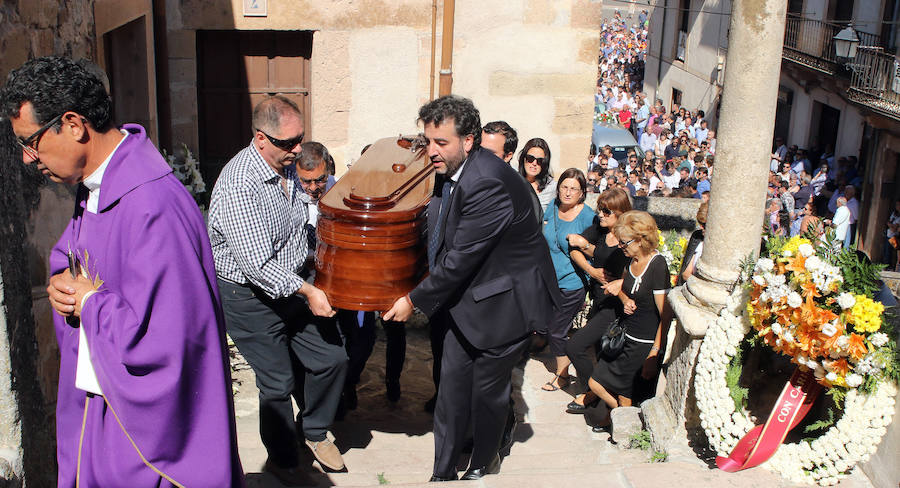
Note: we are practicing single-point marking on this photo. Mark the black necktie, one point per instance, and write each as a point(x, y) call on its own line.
point(439, 223)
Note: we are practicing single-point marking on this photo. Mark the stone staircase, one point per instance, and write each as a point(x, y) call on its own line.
point(392, 444)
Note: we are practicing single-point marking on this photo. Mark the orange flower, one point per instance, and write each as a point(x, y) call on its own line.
point(797, 264)
point(809, 291)
point(829, 342)
point(857, 347)
point(840, 367)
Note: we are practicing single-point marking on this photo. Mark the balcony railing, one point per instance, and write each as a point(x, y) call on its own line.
point(811, 42)
point(875, 81)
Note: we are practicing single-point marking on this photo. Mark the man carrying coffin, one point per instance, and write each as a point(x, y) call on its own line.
point(144, 395)
point(490, 279)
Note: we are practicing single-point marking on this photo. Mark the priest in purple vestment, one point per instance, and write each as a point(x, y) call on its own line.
point(144, 386)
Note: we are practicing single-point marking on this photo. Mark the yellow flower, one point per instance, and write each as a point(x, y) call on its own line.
point(840, 381)
point(793, 244)
point(683, 243)
point(866, 314)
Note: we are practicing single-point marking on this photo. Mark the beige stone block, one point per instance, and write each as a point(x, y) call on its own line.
point(15, 46)
point(589, 51)
point(572, 151)
point(182, 43)
point(587, 14)
point(184, 102)
point(539, 12)
point(506, 83)
point(572, 115)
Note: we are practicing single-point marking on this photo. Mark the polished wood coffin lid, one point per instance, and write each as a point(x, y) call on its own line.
point(371, 227)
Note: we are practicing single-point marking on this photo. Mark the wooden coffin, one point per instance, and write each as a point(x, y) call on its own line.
point(371, 228)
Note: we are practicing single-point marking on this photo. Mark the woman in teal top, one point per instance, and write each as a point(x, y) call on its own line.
point(566, 215)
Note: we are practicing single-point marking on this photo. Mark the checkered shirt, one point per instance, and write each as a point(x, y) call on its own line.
point(257, 231)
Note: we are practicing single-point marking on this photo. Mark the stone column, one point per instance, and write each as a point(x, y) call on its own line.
point(737, 198)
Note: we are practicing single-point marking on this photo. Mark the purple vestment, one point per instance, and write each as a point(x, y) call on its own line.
point(156, 335)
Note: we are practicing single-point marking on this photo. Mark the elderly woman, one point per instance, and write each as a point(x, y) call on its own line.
point(596, 251)
point(534, 166)
point(643, 294)
point(565, 216)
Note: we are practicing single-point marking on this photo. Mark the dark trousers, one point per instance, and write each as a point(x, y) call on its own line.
point(360, 335)
point(437, 329)
point(475, 387)
point(582, 342)
point(291, 352)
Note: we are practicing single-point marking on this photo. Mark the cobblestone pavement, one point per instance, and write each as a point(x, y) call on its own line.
point(385, 443)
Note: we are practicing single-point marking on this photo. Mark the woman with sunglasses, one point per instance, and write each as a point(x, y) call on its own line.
point(596, 251)
point(566, 215)
point(534, 166)
point(644, 285)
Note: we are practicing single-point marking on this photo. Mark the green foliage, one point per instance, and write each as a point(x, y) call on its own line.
point(382, 480)
point(860, 275)
point(738, 393)
point(837, 397)
point(774, 244)
point(659, 457)
point(640, 440)
point(821, 424)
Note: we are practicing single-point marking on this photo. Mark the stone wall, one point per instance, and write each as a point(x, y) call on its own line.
point(532, 63)
point(32, 218)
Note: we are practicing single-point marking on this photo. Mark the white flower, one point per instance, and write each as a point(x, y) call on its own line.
point(813, 263)
point(831, 376)
point(778, 279)
point(805, 250)
point(759, 280)
point(878, 339)
point(787, 336)
point(853, 380)
point(829, 329)
point(787, 253)
point(846, 300)
point(794, 299)
point(776, 328)
point(765, 264)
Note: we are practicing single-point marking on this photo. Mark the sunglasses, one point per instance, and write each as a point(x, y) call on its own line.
point(605, 211)
point(591, 180)
point(531, 159)
point(283, 144)
point(314, 181)
point(30, 143)
point(623, 245)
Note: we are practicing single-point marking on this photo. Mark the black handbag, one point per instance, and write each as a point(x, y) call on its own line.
point(613, 342)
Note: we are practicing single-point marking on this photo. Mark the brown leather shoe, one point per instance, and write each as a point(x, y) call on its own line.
point(327, 454)
point(288, 476)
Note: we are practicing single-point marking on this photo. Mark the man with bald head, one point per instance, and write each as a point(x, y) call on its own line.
point(283, 325)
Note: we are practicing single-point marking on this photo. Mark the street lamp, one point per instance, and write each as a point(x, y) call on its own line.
point(845, 43)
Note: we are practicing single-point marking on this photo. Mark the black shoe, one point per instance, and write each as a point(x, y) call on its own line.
point(508, 433)
point(393, 390)
point(478, 473)
point(430, 404)
point(436, 478)
point(579, 409)
point(599, 428)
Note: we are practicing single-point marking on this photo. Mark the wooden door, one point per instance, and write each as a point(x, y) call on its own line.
point(238, 69)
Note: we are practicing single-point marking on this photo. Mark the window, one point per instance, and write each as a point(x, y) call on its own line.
point(676, 97)
point(684, 14)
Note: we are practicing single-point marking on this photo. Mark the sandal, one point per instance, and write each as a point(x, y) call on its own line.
point(561, 382)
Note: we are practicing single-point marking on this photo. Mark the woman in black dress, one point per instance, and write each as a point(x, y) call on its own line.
point(596, 251)
point(644, 285)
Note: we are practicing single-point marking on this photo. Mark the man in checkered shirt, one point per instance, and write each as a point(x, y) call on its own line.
point(282, 325)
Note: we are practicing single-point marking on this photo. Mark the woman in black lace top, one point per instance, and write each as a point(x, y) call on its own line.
point(596, 251)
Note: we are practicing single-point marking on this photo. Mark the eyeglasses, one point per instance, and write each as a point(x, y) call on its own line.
point(569, 189)
point(591, 180)
point(30, 143)
point(531, 159)
point(605, 211)
point(314, 181)
point(623, 245)
point(283, 144)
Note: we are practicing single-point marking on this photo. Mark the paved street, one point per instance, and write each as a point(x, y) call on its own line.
point(386, 443)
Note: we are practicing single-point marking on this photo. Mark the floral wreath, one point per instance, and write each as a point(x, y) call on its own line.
point(811, 304)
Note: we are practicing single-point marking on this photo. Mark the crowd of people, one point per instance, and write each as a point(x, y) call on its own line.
point(677, 145)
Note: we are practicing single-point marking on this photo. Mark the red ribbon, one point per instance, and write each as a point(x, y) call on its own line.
point(758, 445)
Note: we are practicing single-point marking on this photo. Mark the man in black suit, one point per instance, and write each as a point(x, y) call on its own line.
point(491, 281)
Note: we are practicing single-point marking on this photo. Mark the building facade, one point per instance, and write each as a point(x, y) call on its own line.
point(825, 104)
